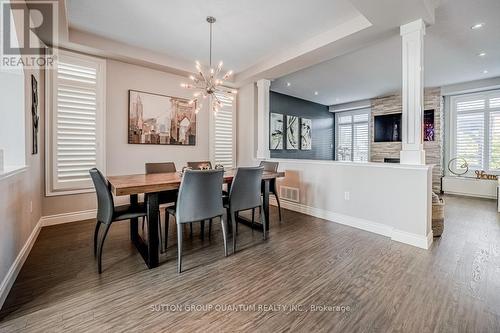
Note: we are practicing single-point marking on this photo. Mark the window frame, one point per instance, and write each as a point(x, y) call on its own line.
point(352, 113)
point(212, 132)
point(486, 111)
point(51, 188)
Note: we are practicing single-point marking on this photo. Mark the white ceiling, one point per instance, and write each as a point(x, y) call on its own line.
point(245, 31)
point(451, 49)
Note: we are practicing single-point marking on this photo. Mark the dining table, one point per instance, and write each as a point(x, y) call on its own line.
point(153, 184)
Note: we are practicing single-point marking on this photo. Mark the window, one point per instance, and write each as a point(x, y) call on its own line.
point(352, 135)
point(75, 123)
point(475, 131)
point(223, 133)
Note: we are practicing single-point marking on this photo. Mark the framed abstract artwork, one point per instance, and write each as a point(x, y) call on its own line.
point(276, 131)
point(35, 118)
point(292, 132)
point(305, 134)
point(160, 119)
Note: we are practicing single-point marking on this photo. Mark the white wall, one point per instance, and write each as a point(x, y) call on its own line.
point(121, 157)
point(21, 194)
point(389, 199)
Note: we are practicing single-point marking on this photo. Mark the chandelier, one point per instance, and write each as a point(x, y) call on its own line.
point(208, 82)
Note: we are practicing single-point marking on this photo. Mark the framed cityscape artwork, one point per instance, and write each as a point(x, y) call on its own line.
point(160, 119)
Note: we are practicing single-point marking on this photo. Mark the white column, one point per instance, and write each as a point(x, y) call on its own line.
point(263, 119)
point(413, 92)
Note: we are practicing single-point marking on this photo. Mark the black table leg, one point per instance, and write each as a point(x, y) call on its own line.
point(153, 216)
point(265, 203)
point(149, 250)
point(134, 223)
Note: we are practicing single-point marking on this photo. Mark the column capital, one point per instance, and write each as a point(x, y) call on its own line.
point(411, 27)
point(264, 83)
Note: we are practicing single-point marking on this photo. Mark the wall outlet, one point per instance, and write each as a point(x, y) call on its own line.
point(347, 196)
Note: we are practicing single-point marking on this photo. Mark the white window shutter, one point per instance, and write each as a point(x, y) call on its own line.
point(470, 138)
point(360, 142)
point(76, 122)
point(223, 142)
point(353, 135)
point(345, 142)
point(494, 142)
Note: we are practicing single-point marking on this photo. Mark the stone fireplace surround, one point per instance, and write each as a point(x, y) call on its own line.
point(390, 150)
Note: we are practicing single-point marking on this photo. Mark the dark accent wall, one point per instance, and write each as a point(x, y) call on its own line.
point(322, 127)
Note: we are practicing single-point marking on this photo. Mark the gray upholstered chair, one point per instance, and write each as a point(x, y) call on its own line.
point(107, 213)
point(245, 194)
point(199, 165)
point(272, 167)
point(165, 197)
point(199, 199)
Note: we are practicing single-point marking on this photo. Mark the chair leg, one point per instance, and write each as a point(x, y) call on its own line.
point(264, 225)
point(279, 205)
point(253, 217)
point(202, 230)
point(210, 229)
point(224, 233)
point(179, 248)
point(96, 237)
point(167, 220)
point(191, 230)
point(233, 222)
point(229, 219)
point(160, 236)
point(101, 245)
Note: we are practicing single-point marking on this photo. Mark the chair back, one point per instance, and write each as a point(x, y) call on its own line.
point(200, 195)
point(105, 204)
point(245, 188)
point(160, 167)
point(200, 165)
point(269, 166)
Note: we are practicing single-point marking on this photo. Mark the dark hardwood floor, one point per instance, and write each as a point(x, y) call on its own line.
point(384, 286)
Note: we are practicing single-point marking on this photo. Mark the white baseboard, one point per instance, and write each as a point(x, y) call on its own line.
point(16, 266)
point(423, 242)
point(68, 217)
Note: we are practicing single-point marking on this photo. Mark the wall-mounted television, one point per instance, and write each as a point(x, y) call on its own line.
point(387, 128)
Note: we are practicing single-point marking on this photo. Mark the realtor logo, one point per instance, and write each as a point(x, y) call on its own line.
point(28, 30)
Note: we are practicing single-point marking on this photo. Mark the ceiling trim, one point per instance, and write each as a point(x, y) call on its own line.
point(302, 55)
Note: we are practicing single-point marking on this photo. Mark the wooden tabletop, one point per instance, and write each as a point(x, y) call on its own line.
point(156, 182)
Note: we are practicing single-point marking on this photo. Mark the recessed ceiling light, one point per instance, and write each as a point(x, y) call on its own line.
point(288, 84)
point(485, 72)
point(316, 93)
point(337, 99)
point(477, 26)
point(482, 54)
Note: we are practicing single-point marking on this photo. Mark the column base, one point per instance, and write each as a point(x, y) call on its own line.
point(412, 157)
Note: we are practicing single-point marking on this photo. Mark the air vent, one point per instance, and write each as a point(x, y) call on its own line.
point(289, 193)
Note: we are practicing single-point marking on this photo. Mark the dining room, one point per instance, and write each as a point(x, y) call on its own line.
point(211, 166)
